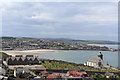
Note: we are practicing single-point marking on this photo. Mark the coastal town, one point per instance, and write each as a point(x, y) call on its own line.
point(31, 67)
point(59, 40)
point(11, 43)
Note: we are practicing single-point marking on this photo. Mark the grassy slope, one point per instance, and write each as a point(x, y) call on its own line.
point(63, 66)
point(1, 54)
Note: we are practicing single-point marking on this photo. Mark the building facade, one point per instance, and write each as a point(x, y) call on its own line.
point(20, 60)
point(95, 61)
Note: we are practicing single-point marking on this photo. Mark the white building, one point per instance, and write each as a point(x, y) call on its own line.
point(95, 61)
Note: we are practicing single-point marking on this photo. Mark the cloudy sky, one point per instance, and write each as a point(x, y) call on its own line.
point(74, 20)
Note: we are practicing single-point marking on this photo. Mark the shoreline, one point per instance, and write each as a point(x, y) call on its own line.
point(16, 52)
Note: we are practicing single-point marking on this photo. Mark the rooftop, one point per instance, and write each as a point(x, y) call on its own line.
point(95, 59)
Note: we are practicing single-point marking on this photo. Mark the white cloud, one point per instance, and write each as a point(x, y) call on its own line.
point(44, 16)
point(62, 19)
point(97, 14)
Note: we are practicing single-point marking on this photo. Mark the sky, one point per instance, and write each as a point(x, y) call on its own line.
point(73, 20)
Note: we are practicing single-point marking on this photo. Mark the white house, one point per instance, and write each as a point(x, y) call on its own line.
point(95, 61)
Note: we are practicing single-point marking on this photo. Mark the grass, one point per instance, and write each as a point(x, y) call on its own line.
point(66, 66)
point(2, 54)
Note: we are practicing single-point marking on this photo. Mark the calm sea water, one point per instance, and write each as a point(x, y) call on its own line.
point(81, 56)
point(109, 45)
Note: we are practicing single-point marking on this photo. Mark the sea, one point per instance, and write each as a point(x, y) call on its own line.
point(81, 56)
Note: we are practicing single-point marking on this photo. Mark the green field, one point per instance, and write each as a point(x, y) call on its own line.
point(67, 66)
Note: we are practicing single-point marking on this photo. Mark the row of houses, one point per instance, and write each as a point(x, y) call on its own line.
point(23, 60)
point(69, 75)
point(45, 75)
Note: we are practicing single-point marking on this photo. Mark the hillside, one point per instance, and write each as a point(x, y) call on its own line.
point(96, 42)
point(67, 39)
point(12, 43)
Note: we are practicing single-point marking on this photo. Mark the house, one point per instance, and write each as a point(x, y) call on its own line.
point(76, 74)
point(20, 60)
point(54, 76)
point(17, 71)
point(108, 75)
point(44, 72)
point(96, 62)
point(4, 57)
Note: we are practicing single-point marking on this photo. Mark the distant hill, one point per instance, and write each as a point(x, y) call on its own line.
point(63, 39)
point(8, 37)
point(67, 39)
point(16, 38)
point(96, 42)
point(35, 38)
point(84, 41)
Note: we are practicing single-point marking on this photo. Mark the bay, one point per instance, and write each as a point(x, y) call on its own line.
point(80, 56)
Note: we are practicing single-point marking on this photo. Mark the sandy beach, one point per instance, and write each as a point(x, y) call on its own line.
point(15, 52)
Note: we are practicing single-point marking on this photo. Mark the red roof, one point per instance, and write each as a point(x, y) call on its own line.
point(72, 72)
point(44, 72)
point(76, 73)
point(81, 73)
point(53, 75)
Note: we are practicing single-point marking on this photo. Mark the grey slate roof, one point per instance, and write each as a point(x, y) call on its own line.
point(17, 58)
point(32, 58)
point(95, 59)
point(23, 58)
point(21, 70)
point(12, 58)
